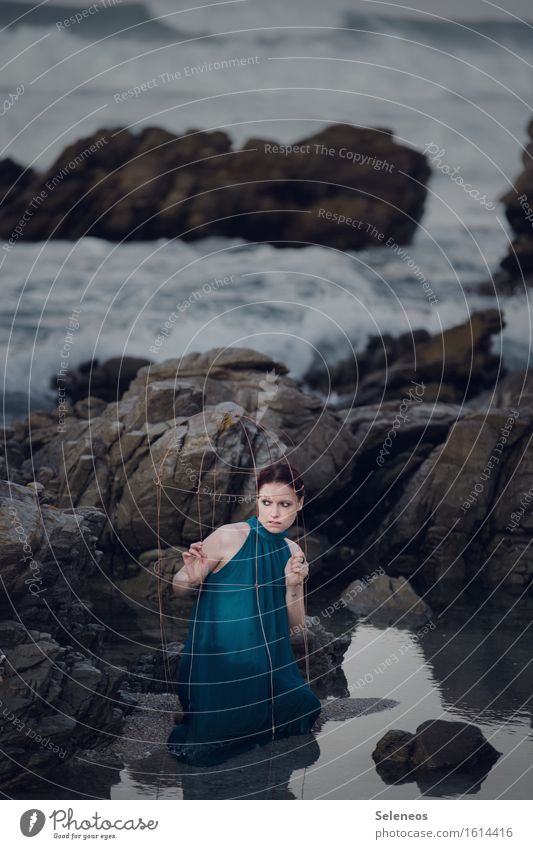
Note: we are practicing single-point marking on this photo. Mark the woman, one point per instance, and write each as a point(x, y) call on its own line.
point(238, 681)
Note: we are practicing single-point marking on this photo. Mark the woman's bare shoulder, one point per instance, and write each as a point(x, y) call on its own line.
point(231, 538)
point(233, 535)
point(235, 527)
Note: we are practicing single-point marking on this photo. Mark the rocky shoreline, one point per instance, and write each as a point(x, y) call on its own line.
point(74, 500)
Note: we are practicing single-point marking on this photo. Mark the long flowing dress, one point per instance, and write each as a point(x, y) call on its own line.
point(238, 681)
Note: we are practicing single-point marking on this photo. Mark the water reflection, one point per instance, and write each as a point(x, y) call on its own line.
point(265, 772)
point(475, 666)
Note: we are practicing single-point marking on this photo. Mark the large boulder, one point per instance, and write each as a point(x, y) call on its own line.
point(345, 187)
point(175, 428)
point(461, 518)
point(440, 494)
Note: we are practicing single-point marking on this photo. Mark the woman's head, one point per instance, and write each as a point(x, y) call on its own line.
point(280, 495)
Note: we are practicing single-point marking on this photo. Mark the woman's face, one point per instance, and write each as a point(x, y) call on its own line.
point(277, 506)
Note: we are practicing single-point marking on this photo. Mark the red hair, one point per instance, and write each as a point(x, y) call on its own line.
point(282, 472)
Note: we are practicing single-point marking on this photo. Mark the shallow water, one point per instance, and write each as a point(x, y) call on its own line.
point(474, 666)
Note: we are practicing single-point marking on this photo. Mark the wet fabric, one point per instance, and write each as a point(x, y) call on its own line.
point(238, 681)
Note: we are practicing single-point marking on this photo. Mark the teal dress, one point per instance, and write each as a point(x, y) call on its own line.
point(238, 681)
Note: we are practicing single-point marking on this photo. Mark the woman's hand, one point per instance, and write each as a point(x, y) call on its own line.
point(296, 570)
point(195, 563)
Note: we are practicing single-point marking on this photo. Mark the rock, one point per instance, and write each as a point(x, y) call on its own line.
point(197, 441)
point(437, 745)
point(338, 710)
point(142, 594)
point(516, 268)
point(449, 526)
point(386, 459)
point(387, 601)
point(11, 456)
point(107, 381)
point(441, 467)
point(514, 391)
point(36, 487)
point(15, 178)
point(152, 185)
point(52, 695)
point(393, 750)
point(47, 560)
point(156, 672)
point(448, 367)
point(325, 653)
point(52, 700)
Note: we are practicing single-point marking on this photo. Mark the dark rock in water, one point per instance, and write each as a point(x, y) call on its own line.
point(393, 750)
point(325, 653)
point(387, 601)
point(438, 746)
point(448, 367)
point(350, 187)
point(439, 743)
point(516, 268)
point(107, 381)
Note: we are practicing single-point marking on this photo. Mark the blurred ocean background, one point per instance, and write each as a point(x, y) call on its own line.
point(464, 86)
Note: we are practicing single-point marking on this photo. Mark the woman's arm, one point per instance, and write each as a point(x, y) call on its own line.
point(203, 557)
point(296, 571)
point(294, 598)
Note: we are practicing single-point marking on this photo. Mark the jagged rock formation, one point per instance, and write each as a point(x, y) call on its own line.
point(344, 187)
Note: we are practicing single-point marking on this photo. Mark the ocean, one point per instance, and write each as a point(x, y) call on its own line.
point(459, 89)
